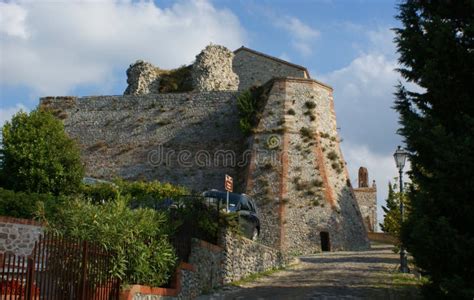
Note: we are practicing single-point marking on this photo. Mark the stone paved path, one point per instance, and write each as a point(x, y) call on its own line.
point(337, 275)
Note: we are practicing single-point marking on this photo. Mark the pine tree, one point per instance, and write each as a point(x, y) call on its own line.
point(436, 48)
point(391, 221)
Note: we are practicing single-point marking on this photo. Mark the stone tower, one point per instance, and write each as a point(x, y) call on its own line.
point(367, 199)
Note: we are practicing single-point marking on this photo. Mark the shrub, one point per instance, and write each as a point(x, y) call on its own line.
point(99, 192)
point(139, 237)
point(38, 156)
point(306, 133)
point(291, 111)
point(251, 104)
point(139, 193)
point(310, 105)
point(24, 205)
point(332, 155)
point(177, 80)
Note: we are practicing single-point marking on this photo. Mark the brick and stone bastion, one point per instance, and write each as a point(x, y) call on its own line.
point(183, 126)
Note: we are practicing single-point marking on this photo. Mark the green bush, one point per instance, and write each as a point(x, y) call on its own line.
point(100, 192)
point(24, 205)
point(177, 80)
point(140, 193)
point(138, 237)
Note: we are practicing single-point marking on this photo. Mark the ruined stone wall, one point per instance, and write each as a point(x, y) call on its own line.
point(367, 200)
point(254, 69)
point(191, 139)
point(298, 175)
point(142, 78)
point(212, 70)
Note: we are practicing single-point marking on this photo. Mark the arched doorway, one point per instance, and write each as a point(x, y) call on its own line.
point(325, 243)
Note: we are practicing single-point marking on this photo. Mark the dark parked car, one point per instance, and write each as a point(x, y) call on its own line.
point(241, 204)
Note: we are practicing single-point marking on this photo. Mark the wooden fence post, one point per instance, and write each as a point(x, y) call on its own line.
point(84, 270)
point(30, 275)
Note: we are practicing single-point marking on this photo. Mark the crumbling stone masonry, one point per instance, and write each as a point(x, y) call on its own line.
point(212, 70)
point(291, 163)
point(142, 78)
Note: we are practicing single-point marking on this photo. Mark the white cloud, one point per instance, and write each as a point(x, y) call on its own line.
point(302, 35)
point(363, 94)
point(68, 44)
point(7, 113)
point(12, 20)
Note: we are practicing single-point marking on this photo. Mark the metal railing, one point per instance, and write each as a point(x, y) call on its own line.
point(59, 268)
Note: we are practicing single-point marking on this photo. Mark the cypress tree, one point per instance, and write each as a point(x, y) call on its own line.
point(436, 48)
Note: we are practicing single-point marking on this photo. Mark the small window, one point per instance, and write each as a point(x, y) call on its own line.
point(252, 206)
point(244, 204)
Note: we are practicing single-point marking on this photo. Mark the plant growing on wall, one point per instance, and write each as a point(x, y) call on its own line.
point(250, 104)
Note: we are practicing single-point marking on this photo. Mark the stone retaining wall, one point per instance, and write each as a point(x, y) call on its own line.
point(243, 257)
point(18, 236)
point(212, 266)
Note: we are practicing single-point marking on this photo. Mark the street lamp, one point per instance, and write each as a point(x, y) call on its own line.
point(400, 156)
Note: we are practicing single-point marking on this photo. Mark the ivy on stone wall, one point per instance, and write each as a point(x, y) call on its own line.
point(251, 104)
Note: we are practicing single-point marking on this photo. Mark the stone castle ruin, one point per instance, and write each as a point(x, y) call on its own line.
point(184, 126)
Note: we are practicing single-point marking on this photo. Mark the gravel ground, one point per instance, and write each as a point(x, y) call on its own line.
point(332, 275)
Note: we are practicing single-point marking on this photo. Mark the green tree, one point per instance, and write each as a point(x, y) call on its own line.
point(391, 220)
point(436, 48)
point(38, 156)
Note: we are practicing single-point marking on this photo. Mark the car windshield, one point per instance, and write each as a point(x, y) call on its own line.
point(220, 198)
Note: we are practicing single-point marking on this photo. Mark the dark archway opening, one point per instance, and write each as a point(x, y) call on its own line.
point(325, 243)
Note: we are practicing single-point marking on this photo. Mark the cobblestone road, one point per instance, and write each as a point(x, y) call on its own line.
point(336, 275)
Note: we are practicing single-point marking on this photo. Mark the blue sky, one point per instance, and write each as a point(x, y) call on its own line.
point(84, 47)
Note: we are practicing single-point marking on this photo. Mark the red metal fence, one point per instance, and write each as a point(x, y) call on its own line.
point(59, 268)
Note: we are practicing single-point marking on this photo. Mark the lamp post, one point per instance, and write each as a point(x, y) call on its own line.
point(400, 156)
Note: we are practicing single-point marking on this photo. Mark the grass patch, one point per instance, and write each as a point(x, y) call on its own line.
point(401, 279)
point(255, 276)
point(177, 80)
